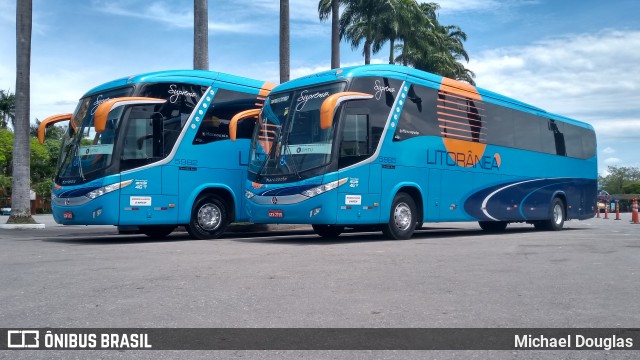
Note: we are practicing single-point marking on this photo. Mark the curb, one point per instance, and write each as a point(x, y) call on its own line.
point(21, 226)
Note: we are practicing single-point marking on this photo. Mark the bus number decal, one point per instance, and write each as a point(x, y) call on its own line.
point(185, 162)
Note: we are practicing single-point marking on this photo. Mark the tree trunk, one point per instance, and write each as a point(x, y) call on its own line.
point(284, 41)
point(392, 43)
point(335, 34)
point(367, 52)
point(20, 201)
point(200, 35)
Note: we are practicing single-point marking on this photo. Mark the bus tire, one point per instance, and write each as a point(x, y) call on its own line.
point(402, 219)
point(157, 231)
point(493, 226)
point(328, 231)
point(209, 218)
point(557, 217)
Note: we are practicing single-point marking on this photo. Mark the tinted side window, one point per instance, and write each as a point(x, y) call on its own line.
point(461, 118)
point(225, 105)
point(385, 91)
point(418, 114)
point(181, 100)
point(500, 127)
point(527, 131)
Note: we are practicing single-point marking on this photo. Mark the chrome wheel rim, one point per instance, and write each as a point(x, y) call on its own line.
point(209, 217)
point(402, 216)
point(557, 214)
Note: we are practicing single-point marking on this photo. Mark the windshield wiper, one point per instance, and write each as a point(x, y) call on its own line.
point(290, 157)
point(79, 162)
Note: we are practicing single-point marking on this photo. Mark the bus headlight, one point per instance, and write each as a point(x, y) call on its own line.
point(107, 189)
point(324, 188)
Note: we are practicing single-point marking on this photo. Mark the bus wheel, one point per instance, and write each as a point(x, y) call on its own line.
point(157, 231)
point(558, 215)
point(208, 218)
point(328, 231)
point(493, 226)
point(403, 218)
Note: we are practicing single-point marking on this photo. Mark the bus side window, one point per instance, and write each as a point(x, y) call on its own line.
point(355, 145)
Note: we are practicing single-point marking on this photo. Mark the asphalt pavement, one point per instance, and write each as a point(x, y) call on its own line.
point(447, 275)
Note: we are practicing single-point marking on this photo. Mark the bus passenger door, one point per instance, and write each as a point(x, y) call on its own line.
point(357, 198)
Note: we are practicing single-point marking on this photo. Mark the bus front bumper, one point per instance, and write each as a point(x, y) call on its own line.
point(82, 210)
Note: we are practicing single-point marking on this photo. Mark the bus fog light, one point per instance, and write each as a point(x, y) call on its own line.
point(315, 211)
point(248, 194)
point(97, 213)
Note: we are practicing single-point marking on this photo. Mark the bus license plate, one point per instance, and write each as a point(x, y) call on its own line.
point(276, 214)
point(68, 215)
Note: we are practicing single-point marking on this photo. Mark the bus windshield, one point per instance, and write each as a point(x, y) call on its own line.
point(289, 139)
point(85, 152)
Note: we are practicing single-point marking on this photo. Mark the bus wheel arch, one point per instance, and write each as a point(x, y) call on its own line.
point(404, 214)
point(211, 213)
point(557, 214)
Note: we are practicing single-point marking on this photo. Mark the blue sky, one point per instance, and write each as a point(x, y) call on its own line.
point(576, 58)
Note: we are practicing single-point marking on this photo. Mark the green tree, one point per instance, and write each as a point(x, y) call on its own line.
point(20, 194)
point(399, 24)
point(437, 48)
point(7, 108)
point(200, 35)
point(359, 23)
point(618, 177)
point(6, 152)
point(631, 188)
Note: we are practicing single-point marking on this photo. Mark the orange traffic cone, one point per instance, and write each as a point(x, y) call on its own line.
point(606, 211)
point(634, 212)
point(617, 210)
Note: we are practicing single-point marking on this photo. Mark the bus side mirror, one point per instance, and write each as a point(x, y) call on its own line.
point(330, 104)
point(102, 112)
point(42, 128)
point(242, 115)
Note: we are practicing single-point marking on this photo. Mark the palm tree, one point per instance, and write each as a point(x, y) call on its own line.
point(437, 48)
point(200, 35)
point(400, 23)
point(7, 109)
point(326, 7)
point(284, 41)
point(20, 201)
point(359, 23)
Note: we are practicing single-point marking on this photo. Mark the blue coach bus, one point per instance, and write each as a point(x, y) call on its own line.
point(153, 151)
point(394, 147)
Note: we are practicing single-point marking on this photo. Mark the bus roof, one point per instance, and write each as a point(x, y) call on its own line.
point(415, 76)
point(202, 77)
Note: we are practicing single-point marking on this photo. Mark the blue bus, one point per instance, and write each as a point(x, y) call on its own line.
point(393, 147)
point(153, 151)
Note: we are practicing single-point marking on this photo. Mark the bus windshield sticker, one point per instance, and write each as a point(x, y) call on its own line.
point(302, 149)
point(106, 149)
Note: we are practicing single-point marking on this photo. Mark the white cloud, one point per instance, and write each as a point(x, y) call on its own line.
point(175, 16)
point(451, 6)
point(612, 161)
point(609, 150)
point(590, 77)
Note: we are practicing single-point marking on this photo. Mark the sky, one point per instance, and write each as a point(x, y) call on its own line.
point(577, 58)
